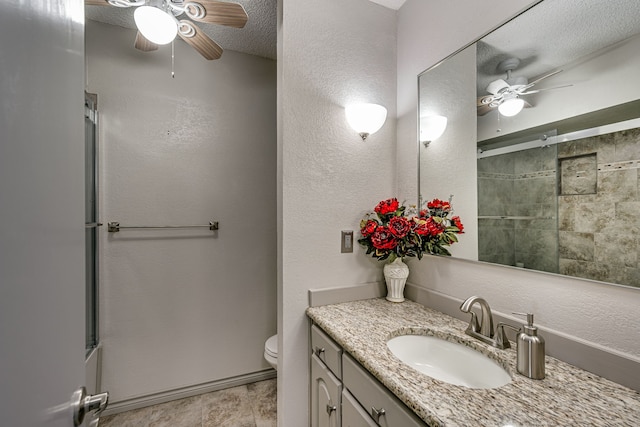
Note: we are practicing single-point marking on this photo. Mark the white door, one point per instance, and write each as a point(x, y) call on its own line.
point(41, 211)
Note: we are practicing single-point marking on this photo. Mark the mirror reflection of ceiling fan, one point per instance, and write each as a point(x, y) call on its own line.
point(158, 24)
point(505, 94)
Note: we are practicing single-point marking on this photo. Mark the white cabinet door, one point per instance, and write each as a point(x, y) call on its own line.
point(325, 396)
point(352, 413)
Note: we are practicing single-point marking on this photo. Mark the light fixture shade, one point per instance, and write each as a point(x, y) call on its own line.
point(155, 24)
point(511, 107)
point(432, 127)
point(366, 118)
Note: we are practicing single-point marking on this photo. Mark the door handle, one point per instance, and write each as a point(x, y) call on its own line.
point(82, 404)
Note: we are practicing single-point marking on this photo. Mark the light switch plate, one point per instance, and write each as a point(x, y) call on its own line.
point(346, 242)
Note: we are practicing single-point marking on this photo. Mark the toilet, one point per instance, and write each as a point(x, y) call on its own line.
point(271, 351)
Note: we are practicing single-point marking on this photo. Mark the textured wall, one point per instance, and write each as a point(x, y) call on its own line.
point(595, 312)
point(333, 53)
point(180, 308)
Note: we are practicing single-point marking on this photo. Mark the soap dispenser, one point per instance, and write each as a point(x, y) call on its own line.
point(530, 350)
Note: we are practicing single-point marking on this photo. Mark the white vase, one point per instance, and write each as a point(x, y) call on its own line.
point(395, 274)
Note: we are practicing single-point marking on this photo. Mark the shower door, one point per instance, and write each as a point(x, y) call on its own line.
point(91, 221)
point(518, 207)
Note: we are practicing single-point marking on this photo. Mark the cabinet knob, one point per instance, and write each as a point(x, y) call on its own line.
point(318, 351)
point(377, 413)
point(331, 408)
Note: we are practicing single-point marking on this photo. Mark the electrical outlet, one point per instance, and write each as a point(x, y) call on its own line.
point(346, 243)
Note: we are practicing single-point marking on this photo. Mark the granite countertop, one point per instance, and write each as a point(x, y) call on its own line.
point(568, 396)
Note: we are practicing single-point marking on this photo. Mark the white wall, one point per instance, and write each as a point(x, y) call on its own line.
point(332, 53)
point(180, 308)
point(598, 313)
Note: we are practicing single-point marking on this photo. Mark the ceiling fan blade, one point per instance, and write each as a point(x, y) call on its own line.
point(553, 73)
point(220, 12)
point(117, 3)
point(484, 109)
point(143, 44)
point(543, 89)
point(199, 40)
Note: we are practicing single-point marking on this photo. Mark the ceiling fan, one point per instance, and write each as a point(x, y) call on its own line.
point(505, 94)
point(157, 21)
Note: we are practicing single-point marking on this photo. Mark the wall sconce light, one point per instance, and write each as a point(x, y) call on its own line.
point(431, 128)
point(366, 118)
point(511, 106)
point(156, 25)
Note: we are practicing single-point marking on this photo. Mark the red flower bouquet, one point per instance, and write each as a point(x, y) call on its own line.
point(393, 231)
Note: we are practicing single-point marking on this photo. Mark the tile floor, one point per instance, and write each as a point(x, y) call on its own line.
point(251, 405)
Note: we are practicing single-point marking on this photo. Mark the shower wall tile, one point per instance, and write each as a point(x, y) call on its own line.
point(567, 212)
point(503, 163)
point(494, 196)
point(618, 186)
point(585, 270)
point(585, 146)
point(617, 250)
point(535, 190)
point(594, 217)
point(535, 160)
point(578, 175)
point(628, 218)
point(627, 145)
point(576, 246)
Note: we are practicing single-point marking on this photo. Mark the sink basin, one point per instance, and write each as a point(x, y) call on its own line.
point(448, 361)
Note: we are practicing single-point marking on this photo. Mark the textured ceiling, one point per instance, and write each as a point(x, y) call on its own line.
point(555, 33)
point(258, 37)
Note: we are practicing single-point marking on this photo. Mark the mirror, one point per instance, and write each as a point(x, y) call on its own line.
point(541, 147)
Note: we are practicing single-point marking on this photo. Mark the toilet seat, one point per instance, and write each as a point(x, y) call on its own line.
point(271, 346)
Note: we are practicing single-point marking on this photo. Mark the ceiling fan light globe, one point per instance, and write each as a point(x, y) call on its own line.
point(511, 107)
point(156, 25)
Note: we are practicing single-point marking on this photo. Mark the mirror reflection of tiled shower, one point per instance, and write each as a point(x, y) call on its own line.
point(600, 230)
point(570, 207)
point(517, 208)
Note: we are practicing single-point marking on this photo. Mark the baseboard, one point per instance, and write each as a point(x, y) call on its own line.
point(181, 393)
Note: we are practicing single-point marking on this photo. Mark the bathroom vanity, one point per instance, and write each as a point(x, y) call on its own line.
point(342, 389)
point(357, 381)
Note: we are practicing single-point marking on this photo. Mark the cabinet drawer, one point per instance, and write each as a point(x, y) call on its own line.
point(326, 350)
point(353, 415)
point(386, 409)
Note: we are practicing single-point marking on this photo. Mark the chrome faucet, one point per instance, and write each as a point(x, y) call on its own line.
point(483, 329)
